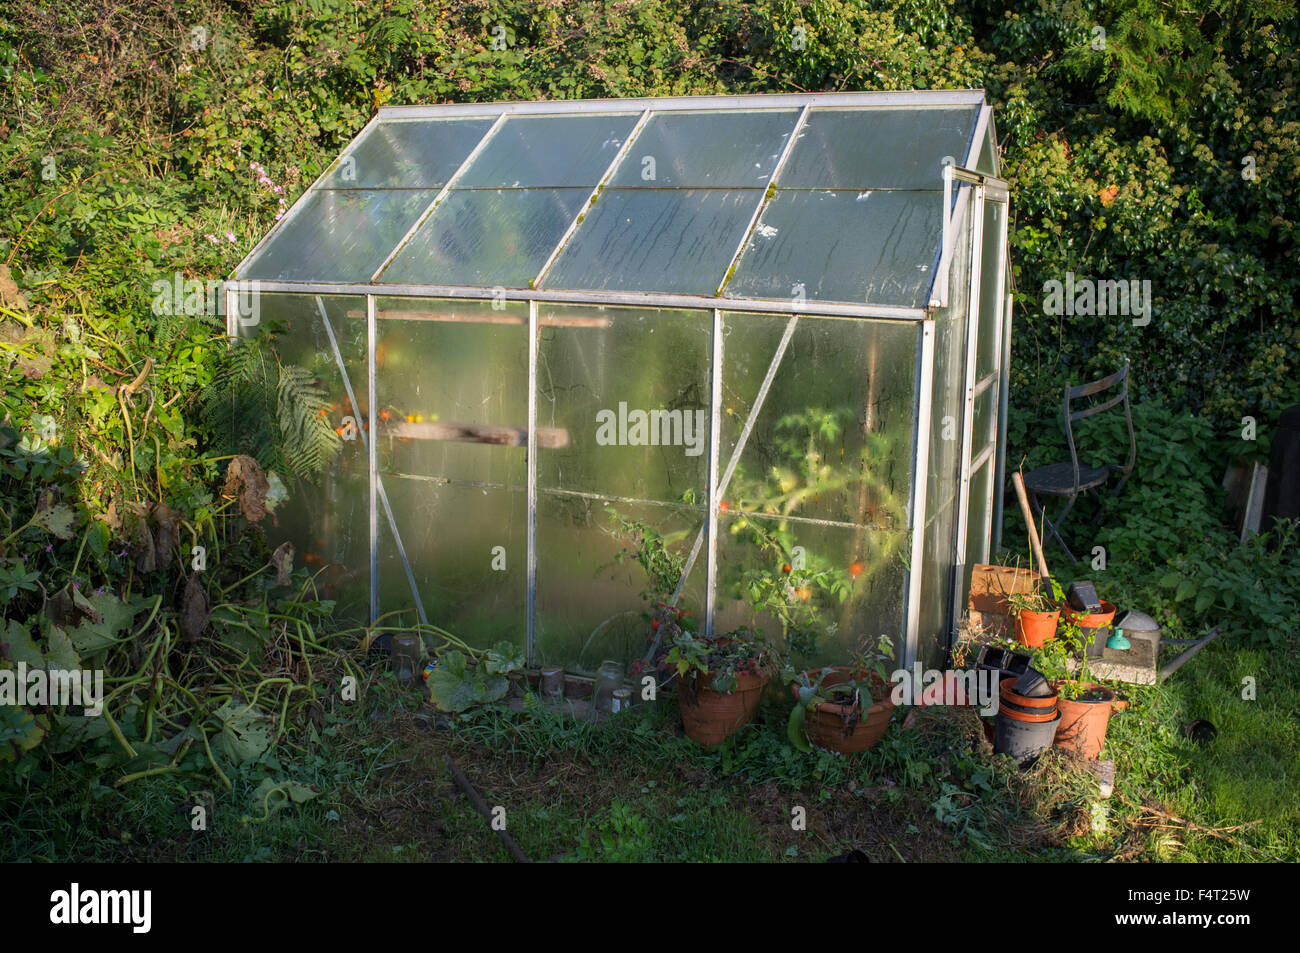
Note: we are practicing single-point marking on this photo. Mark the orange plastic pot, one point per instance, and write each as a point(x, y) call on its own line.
point(1007, 691)
point(709, 716)
point(825, 724)
point(1083, 723)
point(1035, 628)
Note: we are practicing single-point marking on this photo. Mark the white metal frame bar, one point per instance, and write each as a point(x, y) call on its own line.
point(920, 481)
point(372, 455)
point(825, 309)
point(715, 490)
point(437, 199)
point(530, 638)
point(912, 98)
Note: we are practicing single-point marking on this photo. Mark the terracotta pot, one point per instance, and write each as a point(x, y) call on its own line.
point(1095, 626)
point(710, 717)
point(1035, 628)
point(1083, 723)
point(824, 725)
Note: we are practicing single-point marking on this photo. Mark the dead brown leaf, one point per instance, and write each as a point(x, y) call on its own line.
point(167, 535)
point(282, 559)
point(194, 610)
point(245, 479)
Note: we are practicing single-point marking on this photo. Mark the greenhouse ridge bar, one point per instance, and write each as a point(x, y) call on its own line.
point(763, 330)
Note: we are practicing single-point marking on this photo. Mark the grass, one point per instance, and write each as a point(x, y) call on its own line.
point(633, 789)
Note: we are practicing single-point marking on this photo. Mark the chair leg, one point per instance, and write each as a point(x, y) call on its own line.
point(1052, 528)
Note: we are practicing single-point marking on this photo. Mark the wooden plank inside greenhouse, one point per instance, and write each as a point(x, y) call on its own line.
point(548, 438)
point(546, 321)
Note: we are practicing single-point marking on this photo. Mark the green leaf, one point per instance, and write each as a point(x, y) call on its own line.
point(1169, 580)
point(244, 735)
point(20, 731)
point(59, 651)
point(794, 730)
point(58, 519)
point(1185, 590)
point(17, 645)
point(1204, 600)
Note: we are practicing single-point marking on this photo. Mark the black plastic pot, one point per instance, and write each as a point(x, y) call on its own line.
point(1095, 648)
point(1009, 665)
point(1024, 740)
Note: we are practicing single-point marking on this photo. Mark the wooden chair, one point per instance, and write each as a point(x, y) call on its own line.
point(1069, 480)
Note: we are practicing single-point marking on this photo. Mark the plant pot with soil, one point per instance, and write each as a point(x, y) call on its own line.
point(1094, 627)
point(1036, 615)
point(720, 682)
point(1084, 704)
point(843, 708)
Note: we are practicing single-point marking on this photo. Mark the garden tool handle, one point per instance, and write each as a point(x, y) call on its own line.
point(1034, 542)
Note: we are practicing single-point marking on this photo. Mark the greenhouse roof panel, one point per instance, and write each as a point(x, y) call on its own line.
point(411, 154)
point(548, 152)
point(878, 148)
point(709, 150)
point(714, 197)
point(876, 247)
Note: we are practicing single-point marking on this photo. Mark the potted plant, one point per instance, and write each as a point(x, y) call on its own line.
point(721, 681)
point(1085, 704)
point(844, 708)
point(1036, 615)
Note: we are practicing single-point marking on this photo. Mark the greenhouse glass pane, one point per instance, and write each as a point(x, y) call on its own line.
point(863, 564)
point(977, 524)
point(592, 593)
point(339, 235)
point(326, 516)
point(487, 238)
point(833, 438)
point(622, 401)
point(989, 336)
point(876, 247)
point(451, 382)
point(718, 150)
point(467, 548)
point(986, 163)
point(946, 415)
point(548, 152)
point(984, 430)
point(452, 443)
point(878, 148)
point(422, 154)
point(655, 240)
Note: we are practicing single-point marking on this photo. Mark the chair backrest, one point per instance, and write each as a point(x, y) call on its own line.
point(1117, 380)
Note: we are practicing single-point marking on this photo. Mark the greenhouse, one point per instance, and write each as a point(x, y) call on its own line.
point(584, 356)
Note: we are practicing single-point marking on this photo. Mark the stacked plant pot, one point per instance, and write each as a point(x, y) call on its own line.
point(1026, 724)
